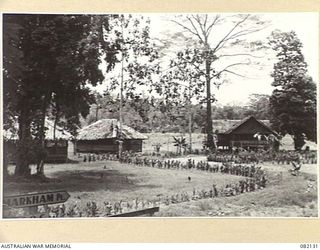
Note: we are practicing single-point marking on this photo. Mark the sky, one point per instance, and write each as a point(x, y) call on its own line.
point(236, 90)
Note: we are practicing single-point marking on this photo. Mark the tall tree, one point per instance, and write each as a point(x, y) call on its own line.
point(138, 59)
point(136, 55)
point(58, 56)
point(293, 101)
point(259, 105)
point(220, 46)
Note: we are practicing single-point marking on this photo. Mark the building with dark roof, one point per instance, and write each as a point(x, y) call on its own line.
point(243, 134)
point(103, 137)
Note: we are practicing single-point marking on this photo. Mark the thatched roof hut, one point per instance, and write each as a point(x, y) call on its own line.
point(103, 136)
point(108, 129)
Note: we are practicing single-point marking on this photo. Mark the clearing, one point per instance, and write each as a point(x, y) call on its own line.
point(110, 181)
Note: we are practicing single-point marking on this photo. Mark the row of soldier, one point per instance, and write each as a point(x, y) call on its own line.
point(281, 157)
point(242, 186)
point(227, 168)
point(242, 170)
point(109, 208)
point(308, 158)
point(236, 158)
point(98, 157)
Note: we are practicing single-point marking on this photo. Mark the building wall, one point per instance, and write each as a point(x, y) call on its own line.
point(243, 136)
point(107, 146)
point(133, 145)
point(57, 151)
point(246, 141)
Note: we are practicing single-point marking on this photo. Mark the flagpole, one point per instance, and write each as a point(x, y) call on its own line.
point(190, 117)
point(121, 90)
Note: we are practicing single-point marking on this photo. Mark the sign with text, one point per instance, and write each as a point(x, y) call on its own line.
point(36, 199)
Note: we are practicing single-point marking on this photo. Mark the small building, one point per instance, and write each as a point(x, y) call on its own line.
point(242, 134)
point(103, 137)
point(56, 143)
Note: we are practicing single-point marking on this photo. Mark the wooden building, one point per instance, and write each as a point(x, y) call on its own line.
point(243, 135)
point(103, 137)
point(56, 142)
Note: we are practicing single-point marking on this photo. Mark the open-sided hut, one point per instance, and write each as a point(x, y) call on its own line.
point(56, 143)
point(243, 134)
point(103, 137)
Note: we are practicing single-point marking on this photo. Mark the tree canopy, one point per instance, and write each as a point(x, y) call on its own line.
point(49, 60)
point(293, 101)
point(212, 46)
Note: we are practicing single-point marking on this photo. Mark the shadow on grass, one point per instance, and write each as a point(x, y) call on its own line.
point(77, 181)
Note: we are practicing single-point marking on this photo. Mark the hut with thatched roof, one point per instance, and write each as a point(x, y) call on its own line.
point(56, 142)
point(103, 137)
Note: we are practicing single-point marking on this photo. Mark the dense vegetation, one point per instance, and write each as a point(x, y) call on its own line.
point(293, 103)
point(153, 115)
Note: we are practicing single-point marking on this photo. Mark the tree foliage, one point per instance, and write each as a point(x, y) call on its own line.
point(258, 107)
point(136, 51)
point(150, 114)
point(49, 60)
point(293, 101)
point(208, 56)
point(180, 143)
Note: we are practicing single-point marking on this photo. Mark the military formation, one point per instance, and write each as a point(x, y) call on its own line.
point(246, 170)
point(281, 157)
point(98, 157)
point(254, 178)
point(113, 208)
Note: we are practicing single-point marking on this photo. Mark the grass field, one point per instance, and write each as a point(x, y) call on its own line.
point(285, 195)
point(290, 197)
point(84, 183)
point(167, 142)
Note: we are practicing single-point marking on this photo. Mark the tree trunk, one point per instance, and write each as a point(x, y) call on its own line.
point(5, 162)
point(23, 145)
point(299, 141)
point(210, 142)
point(55, 126)
point(41, 154)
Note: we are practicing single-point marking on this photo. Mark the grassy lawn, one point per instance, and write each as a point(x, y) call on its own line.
point(109, 181)
point(287, 196)
point(167, 142)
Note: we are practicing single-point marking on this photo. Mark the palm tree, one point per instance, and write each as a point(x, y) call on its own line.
point(180, 143)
